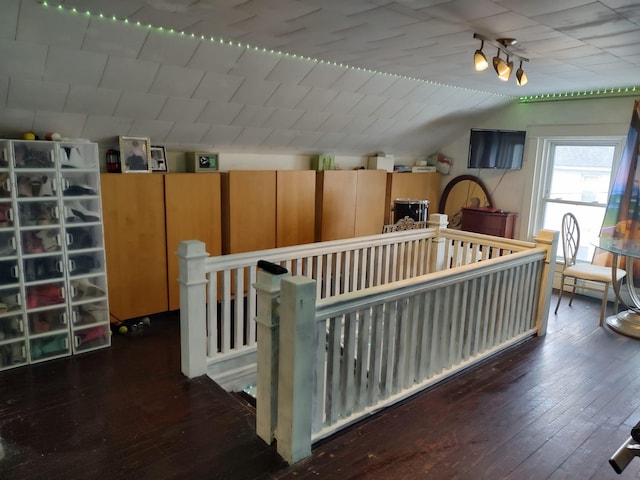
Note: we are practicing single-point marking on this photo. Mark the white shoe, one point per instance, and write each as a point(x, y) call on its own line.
point(76, 210)
point(71, 158)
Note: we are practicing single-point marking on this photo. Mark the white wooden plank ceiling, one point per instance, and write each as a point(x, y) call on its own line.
point(377, 75)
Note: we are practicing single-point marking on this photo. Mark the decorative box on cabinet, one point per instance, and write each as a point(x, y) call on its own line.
point(421, 186)
point(53, 286)
point(489, 221)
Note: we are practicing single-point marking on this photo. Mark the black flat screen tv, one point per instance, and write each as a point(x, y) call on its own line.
point(502, 149)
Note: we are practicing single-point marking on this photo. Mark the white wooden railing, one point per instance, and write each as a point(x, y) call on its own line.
point(221, 340)
point(325, 363)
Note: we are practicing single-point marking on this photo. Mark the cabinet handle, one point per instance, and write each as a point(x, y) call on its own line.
point(58, 240)
point(9, 214)
point(14, 271)
point(54, 185)
point(60, 266)
point(77, 340)
point(12, 242)
point(69, 239)
point(72, 265)
point(64, 319)
point(74, 316)
point(7, 185)
point(56, 213)
point(62, 293)
point(52, 156)
point(21, 325)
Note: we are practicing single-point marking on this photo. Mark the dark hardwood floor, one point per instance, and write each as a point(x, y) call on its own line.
point(552, 408)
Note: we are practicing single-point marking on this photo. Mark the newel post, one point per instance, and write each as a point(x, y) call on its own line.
point(438, 221)
point(295, 377)
point(193, 308)
point(268, 290)
point(547, 239)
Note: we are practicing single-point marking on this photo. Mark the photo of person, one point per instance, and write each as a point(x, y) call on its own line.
point(135, 154)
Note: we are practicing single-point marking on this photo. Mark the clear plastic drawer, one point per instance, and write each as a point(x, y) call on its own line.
point(43, 348)
point(45, 321)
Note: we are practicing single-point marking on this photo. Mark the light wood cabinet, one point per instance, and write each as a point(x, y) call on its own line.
point(192, 212)
point(421, 186)
point(349, 203)
point(370, 202)
point(295, 207)
point(249, 213)
point(135, 244)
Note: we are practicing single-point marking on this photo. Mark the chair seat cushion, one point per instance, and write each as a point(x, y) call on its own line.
point(587, 271)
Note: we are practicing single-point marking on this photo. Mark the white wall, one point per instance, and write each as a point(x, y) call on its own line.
point(590, 117)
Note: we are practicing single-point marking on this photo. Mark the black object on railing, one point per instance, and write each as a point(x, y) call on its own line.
point(627, 451)
point(272, 268)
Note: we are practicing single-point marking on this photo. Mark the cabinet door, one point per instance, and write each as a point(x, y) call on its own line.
point(336, 204)
point(370, 202)
point(295, 207)
point(192, 213)
point(421, 186)
point(249, 210)
point(135, 244)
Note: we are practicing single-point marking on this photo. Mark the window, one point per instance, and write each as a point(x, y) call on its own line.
point(577, 178)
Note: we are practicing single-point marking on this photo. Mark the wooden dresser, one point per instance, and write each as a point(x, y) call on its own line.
point(489, 221)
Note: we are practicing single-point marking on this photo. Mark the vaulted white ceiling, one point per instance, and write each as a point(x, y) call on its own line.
point(345, 76)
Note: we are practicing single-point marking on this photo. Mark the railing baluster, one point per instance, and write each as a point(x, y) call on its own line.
point(225, 313)
point(375, 366)
point(212, 315)
point(238, 316)
point(252, 308)
point(347, 386)
point(333, 369)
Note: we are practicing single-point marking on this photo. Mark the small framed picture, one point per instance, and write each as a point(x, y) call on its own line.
point(135, 154)
point(201, 162)
point(158, 159)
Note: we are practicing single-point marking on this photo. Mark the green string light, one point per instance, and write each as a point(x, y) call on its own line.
point(621, 91)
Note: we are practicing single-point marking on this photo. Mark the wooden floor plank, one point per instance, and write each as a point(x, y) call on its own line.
point(554, 407)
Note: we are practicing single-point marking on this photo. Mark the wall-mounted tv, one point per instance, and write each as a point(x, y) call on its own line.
point(496, 149)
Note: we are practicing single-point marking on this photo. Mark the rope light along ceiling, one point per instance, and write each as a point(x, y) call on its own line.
point(171, 31)
point(525, 99)
point(597, 93)
point(503, 67)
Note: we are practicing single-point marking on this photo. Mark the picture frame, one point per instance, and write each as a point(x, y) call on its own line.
point(201, 162)
point(135, 154)
point(158, 159)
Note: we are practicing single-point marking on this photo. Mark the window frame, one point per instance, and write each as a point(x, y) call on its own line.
point(543, 174)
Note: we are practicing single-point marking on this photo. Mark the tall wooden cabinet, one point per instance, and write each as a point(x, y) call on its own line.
point(421, 186)
point(295, 207)
point(249, 214)
point(135, 244)
point(192, 212)
point(265, 209)
point(53, 286)
point(146, 216)
point(349, 203)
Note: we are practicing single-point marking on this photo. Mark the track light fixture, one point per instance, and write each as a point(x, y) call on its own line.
point(503, 68)
point(480, 61)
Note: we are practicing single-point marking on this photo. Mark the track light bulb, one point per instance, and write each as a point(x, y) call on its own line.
point(480, 61)
point(521, 77)
point(499, 65)
point(505, 73)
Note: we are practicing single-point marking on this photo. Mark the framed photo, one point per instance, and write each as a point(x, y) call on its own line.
point(135, 154)
point(158, 159)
